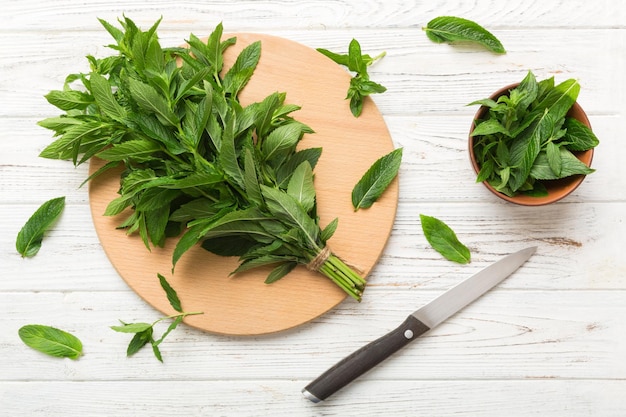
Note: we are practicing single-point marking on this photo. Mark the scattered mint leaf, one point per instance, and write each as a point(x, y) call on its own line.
point(51, 341)
point(376, 180)
point(452, 29)
point(31, 235)
point(443, 239)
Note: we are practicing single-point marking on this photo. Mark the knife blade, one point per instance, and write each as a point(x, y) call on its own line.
point(416, 324)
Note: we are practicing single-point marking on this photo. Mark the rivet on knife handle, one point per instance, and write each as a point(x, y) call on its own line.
point(364, 359)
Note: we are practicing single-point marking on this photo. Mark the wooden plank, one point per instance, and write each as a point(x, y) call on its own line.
point(507, 334)
point(490, 398)
point(572, 254)
point(421, 76)
point(323, 15)
point(435, 165)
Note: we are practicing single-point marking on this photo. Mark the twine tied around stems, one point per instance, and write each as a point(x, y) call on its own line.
point(317, 262)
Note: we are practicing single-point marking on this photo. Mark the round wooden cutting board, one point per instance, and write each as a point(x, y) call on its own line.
point(243, 304)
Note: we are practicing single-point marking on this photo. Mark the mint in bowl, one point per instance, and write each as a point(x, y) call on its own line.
point(531, 143)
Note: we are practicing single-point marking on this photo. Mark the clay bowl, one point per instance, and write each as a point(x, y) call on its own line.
point(557, 189)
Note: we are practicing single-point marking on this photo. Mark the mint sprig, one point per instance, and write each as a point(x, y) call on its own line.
point(144, 332)
point(360, 84)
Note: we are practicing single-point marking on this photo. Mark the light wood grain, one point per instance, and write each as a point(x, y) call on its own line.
point(548, 342)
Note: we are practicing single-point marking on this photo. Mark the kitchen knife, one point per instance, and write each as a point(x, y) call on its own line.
point(419, 322)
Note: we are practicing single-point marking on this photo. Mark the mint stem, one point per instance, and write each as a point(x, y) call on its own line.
point(344, 276)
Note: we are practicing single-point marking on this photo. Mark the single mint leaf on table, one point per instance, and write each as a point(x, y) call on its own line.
point(30, 237)
point(452, 29)
point(443, 239)
point(51, 341)
point(376, 180)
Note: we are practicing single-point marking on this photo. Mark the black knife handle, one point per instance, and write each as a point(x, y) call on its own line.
point(364, 359)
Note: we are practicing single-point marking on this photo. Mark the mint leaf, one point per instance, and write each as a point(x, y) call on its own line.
point(51, 341)
point(31, 235)
point(132, 327)
point(452, 29)
point(578, 137)
point(101, 90)
point(301, 186)
point(240, 73)
point(172, 296)
point(443, 239)
point(570, 165)
point(376, 180)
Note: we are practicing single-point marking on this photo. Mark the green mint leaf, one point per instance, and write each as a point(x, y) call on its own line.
point(101, 90)
point(156, 351)
point(150, 100)
point(356, 102)
point(214, 49)
point(250, 178)
point(281, 141)
point(329, 230)
point(528, 90)
point(173, 325)
point(355, 58)
point(117, 34)
point(138, 149)
point(301, 186)
point(139, 340)
point(283, 206)
point(559, 99)
point(311, 155)
point(132, 327)
point(553, 154)
point(172, 296)
point(341, 59)
point(191, 237)
point(376, 180)
point(489, 127)
point(228, 155)
point(240, 73)
point(443, 239)
point(31, 235)
point(280, 271)
point(570, 165)
point(51, 341)
point(578, 137)
point(69, 100)
point(452, 29)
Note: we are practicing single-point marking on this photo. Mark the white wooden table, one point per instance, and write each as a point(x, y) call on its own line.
point(550, 341)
